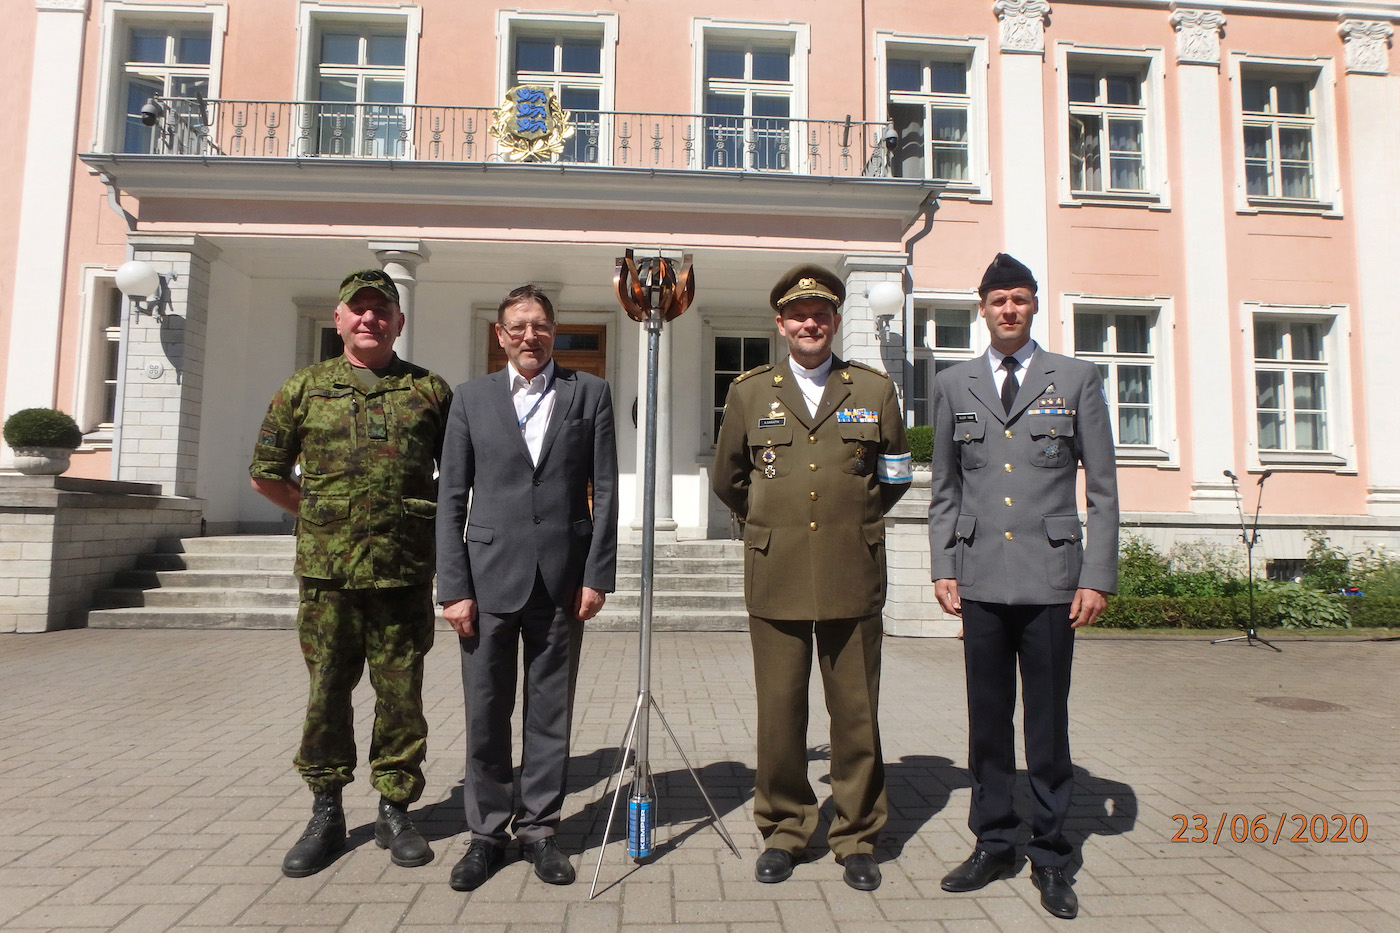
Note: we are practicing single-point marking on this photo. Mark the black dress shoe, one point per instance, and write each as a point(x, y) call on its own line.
point(323, 837)
point(551, 865)
point(1056, 895)
point(773, 866)
point(861, 872)
point(476, 866)
point(980, 870)
point(394, 830)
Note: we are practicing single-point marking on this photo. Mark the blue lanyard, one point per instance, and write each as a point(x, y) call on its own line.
point(549, 384)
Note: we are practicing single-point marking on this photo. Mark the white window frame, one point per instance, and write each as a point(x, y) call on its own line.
point(313, 17)
point(99, 284)
point(510, 23)
point(1151, 63)
point(1163, 452)
point(118, 18)
point(1327, 181)
point(936, 300)
point(716, 326)
point(796, 35)
point(1340, 456)
point(972, 50)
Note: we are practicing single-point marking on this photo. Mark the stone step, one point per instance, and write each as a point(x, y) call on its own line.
point(610, 620)
point(245, 545)
point(662, 581)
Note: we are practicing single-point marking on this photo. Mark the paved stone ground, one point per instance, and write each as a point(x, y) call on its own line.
point(147, 787)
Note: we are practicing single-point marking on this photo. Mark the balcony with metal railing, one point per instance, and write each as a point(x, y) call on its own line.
point(422, 133)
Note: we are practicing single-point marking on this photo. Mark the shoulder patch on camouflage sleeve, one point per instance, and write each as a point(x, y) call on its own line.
point(268, 438)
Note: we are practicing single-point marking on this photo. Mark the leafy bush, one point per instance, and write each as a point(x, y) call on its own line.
point(1325, 568)
point(921, 443)
point(1142, 570)
point(42, 427)
point(1297, 605)
point(1383, 583)
point(1374, 611)
point(1232, 612)
point(1194, 569)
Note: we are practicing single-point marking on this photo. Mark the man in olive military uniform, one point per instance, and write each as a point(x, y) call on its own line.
point(811, 455)
point(365, 429)
point(1010, 557)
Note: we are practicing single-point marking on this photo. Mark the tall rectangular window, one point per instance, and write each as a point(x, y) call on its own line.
point(1107, 129)
point(160, 61)
point(571, 65)
point(1280, 134)
point(358, 86)
point(1121, 345)
point(943, 337)
point(930, 111)
point(748, 104)
point(735, 354)
point(1291, 375)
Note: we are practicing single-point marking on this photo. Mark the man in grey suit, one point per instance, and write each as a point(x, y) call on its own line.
point(530, 563)
point(1010, 557)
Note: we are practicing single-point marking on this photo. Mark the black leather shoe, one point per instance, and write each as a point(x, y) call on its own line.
point(773, 866)
point(861, 872)
point(394, 830)
point(551, 865)
point(980, 870)
point(323, 838)
point(476, 866)
point(1056, 895)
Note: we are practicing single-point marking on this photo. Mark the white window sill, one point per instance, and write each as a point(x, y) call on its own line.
point(1289, 206)
point(1317, 461)
point(1140, 199)
point(1144, 456)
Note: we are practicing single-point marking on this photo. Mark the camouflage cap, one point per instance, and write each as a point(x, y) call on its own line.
point(807, 281)
point(376, 279)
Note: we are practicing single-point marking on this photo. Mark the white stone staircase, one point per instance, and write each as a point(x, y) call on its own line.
point(246, 582)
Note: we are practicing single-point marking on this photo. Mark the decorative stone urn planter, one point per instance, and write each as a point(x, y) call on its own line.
point(42, 461)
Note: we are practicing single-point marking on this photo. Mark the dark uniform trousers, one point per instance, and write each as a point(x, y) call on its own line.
point(342, 632)
point(848, 656)
point(995, 638)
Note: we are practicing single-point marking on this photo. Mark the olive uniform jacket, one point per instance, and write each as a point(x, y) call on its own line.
point(1002, 519)
point(368, 495)
point(812, 490)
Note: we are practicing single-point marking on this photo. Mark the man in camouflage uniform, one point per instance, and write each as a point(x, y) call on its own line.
point(365, 429)
point(811, 455)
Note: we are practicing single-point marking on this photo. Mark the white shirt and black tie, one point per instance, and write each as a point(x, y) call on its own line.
point(1002, 373)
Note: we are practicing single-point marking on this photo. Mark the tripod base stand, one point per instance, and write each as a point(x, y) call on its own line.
point(645, 703)
point(1250, 636)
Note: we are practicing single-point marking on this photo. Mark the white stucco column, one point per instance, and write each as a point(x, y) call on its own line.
point(1023, 141)
point(400, 258)
point(45, 204)
point(665, 516)
point(1212, 394)
point(1373, 109)
point(879, 343)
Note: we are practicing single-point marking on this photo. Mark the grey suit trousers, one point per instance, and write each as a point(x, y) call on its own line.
point(551, 638)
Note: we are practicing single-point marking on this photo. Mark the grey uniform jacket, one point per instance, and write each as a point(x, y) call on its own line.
point(524, 516)
point(1003, 520)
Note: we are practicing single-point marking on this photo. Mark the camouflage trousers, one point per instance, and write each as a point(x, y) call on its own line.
point(343, 631)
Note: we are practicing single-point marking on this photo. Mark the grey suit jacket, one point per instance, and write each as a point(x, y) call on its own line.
point(525, 517)
point(1003, 520)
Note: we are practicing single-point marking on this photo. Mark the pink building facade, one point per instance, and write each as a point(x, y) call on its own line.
point(1206, 193)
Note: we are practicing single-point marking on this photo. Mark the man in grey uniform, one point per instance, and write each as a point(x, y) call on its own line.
point(1010, 557)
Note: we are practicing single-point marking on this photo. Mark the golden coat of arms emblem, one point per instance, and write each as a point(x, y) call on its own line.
point(531, 125)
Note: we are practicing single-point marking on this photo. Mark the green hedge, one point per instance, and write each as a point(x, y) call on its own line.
point(921, 443)
point(1193, 612)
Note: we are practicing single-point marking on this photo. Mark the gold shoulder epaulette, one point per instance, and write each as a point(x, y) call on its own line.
point(753, 372)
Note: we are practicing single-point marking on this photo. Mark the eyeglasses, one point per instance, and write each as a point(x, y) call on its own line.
point(517, 331)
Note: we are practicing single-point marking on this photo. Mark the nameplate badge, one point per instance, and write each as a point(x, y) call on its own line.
point(963, 417)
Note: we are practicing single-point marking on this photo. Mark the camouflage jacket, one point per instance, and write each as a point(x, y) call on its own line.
point(367, 460)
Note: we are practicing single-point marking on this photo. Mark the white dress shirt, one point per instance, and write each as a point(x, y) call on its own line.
point(531, 410)
point(812, 382)
point(995, 358)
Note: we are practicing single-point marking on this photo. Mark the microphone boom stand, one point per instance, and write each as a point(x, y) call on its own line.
point(1250, 537)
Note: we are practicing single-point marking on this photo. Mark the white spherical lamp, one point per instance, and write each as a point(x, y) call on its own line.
point(138, 280)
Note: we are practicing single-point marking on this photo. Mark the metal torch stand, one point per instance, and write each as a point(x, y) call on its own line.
point(637, 740)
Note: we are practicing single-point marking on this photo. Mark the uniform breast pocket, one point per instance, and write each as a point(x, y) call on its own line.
point(971, 438)
point(1052, 440)
point(771, 451)
point(862, 442)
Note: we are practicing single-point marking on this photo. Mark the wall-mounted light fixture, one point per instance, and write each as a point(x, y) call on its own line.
point(886, 300)
point(147, 288)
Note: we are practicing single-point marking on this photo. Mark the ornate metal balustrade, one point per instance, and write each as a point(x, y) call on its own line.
point(665, 141)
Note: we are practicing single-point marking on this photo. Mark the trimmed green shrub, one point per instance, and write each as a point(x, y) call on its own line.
point(42, 427)
point(1325, 568)
point(1297, 605)
point(1373, 611)
point(920, 443)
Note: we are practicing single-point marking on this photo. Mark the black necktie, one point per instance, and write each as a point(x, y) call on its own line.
point(1009, 385)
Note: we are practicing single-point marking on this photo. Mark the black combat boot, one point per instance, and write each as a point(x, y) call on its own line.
point(394, 830)
point(323, 838)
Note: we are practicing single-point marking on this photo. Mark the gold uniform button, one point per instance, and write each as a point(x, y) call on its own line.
point(1008, 433)
point(813, 467)
point(1007, 468)
point(814, 526)
point(811, 438)
point(967, 436)
point(1008, 500)
point(1052, 432)
point(814, 495)
point(1009, 536)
